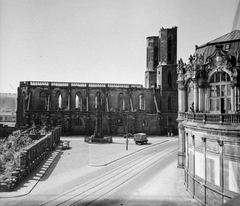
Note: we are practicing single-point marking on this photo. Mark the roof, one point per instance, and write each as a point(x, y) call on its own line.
point(232, 36)
point(230, 42)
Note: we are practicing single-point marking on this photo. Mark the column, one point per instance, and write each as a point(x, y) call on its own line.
point(181, 146)
point(196, 95)
point(107, 103)
point(87, 101)
point(201, 99)
point(221, 144)
point(181, 98)
point(184, 100)
point(207, 101)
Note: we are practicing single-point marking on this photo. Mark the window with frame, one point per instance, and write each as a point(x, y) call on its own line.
point(98, 100)
point(220, 92)
point(59, 100)
point(78, 122)
point(169, 79)
point(78, 101)
point(237, 99)
point(169, 47)
point(155, 56)
point(121, 102)
point(141, 102)
point(43, 101)
point(169, 103)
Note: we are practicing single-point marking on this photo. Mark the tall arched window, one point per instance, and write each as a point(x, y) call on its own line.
point(98, 100)
point(169, 47)
point(155, 56)
point(78, 101)
point(59, 100)
point(43, 101)
point(169, 103)
point(141, 102)
point(121, 102)
point(169, 79)
point(220, 92)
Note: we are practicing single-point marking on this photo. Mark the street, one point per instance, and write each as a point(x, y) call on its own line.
point(108, 174)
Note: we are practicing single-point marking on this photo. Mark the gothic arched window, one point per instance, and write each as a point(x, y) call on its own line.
point(169, 103)
point(220, 92)
point(169, 79)
point(121, 102)
point(155, 56)
point(78, 101)
point(59, 100)
point(43, 101)
point(98, 100)
point(169, 47)
point(141, 102)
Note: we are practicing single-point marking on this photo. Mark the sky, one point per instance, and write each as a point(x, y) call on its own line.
point(100, 41)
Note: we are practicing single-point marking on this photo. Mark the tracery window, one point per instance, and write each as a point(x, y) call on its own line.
point(169, 103)
point(59, 100)
point(155, 56)
point(141, 102)
point(98, 100)
point(43, 101)
point(169, 79)
point(220, 92)
point(121, 102)
point(78, 101)
point(169, 43)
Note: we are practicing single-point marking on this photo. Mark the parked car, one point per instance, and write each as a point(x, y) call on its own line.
point(65, 145)
point(140, 138)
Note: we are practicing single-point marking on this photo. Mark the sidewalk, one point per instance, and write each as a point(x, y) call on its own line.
point(173, 182)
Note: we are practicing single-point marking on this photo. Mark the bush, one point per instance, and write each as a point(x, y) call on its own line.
point(10, 149)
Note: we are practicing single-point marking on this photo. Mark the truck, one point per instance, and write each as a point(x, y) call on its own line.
point(140, 138)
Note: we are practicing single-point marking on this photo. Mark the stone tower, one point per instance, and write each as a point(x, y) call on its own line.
point(161, 50)
point(161, 73)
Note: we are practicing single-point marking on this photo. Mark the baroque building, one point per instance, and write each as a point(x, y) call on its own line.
point(209, 120)
point(123, 108)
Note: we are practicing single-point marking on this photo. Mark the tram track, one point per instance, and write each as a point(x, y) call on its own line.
point(95, 189)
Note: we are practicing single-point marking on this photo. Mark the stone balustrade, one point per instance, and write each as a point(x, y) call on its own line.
point(213, 118)
point(79, 84)
point(31, 157)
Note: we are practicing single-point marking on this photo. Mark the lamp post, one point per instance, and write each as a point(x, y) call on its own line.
point(127, 133)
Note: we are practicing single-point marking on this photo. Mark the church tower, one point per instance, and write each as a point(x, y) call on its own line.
point(161, 74)
point(152, 61)
point(161, 50)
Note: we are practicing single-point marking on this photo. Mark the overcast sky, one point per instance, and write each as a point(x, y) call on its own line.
point(99, 40)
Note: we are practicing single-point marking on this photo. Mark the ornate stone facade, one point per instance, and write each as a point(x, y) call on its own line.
point(209, 120)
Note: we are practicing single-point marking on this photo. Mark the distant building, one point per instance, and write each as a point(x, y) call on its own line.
point(8, 107)
point(123, 107)
point(209, 120)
